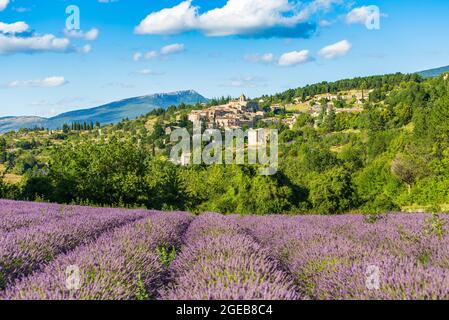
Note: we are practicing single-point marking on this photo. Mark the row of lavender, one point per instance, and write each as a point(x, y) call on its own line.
point(33, 235)
point(123, 264)
point(15, 215)
point(219, 261)
point(400, 256)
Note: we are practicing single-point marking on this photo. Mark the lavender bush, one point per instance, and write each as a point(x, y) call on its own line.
point(15, 215)
point(120, 265)
point(331, 257)
point(29, 249)
point(140, 254)
point(220, 262)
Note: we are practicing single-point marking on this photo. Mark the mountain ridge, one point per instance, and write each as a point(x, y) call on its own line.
point(112, 112)
point(432, 73)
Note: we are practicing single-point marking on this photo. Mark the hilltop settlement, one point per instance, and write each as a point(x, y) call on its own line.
point(243, 113)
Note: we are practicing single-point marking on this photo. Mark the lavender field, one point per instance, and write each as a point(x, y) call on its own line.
point(50, 251)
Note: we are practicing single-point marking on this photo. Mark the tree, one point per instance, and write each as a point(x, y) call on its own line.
point(158, 131)
point(105, 174)
point(376, 187)
point(438, 123)
point(363, 87)
point(304, 119)
point(405, 169)
point(330, 121)
point(332, 192)
point(164, 187)
point(37, 186)
point(3, 148)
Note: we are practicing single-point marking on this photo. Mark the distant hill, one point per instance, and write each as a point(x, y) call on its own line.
point(433, 72)
point(109, 113)
point(15, 123)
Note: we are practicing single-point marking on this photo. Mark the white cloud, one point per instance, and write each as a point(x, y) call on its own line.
point(325, 23)
point(16, 27)
point(172, 49)
point(151, 55)
point(363, 15)
point(85, 49)
point(49, 82)
point(263, 58)
point(33, 44)
point(149, 72)
point(90, 35)
point(245, 82)
point(336, 50)
point(263, 18)
point(11, 42)
point(137, 56)
point(121, 85)
point(50, 107)
point(246, 16)
point(180, 18)
point(162, 52)
point(3, 4)
point(294, 58)
point(21, 9)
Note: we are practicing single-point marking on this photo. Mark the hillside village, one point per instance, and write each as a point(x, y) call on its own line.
point(233, 115)
point(244, 113)
point(343, 102)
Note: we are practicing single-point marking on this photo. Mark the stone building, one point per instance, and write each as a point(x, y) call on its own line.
point(235, 114)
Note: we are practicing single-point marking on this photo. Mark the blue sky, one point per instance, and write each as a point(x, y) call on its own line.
point(129, 48)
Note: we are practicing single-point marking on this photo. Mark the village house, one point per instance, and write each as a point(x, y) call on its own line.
point(290, 122)
point(348, 110)
point(233, 115)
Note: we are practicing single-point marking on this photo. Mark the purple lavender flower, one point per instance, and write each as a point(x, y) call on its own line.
point(121, 265)
point(330, 257)
point(29, 249)
point(128, 254)
point(220, 262)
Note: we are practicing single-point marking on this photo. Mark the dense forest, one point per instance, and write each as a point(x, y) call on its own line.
point(392, 156)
